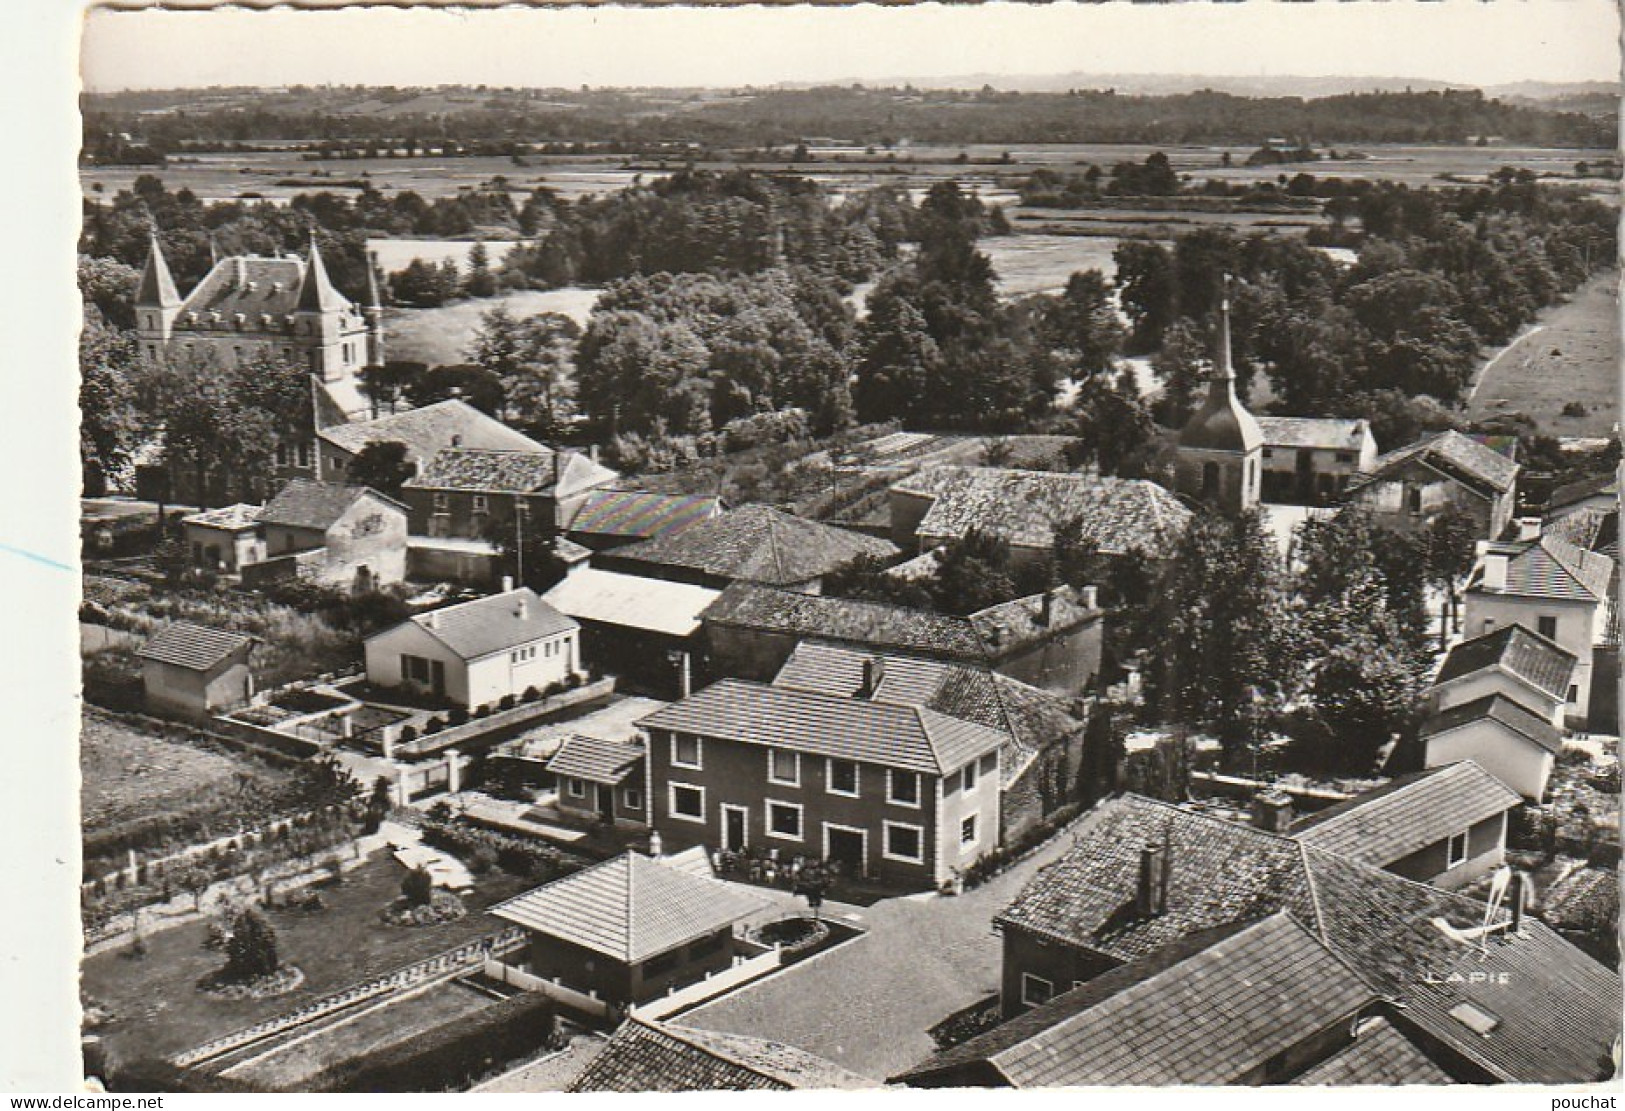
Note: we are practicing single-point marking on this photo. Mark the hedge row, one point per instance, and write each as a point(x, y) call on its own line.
point(451, 1056)
point(518, 855)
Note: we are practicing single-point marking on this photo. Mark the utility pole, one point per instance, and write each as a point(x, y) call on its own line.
point(519, 539)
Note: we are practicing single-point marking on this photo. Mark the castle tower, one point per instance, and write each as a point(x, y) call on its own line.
point(374, 314)
point(321, 321)
point(1220, 457)
point(157, 303)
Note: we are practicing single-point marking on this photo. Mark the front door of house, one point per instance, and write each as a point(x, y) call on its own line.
point(606, 802)
point(735, 831)
point(846, 847)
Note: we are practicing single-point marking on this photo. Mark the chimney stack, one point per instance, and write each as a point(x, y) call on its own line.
point(522, 609)
point(1528, 528)
point(1152, 893)
point(507, 584)
point(1272, 812)
point(1495, 571)
point(874, 672)
point(1517, 896)
point(1051, 596)
point(1089, 597)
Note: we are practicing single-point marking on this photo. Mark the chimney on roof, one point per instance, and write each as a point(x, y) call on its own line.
point(456, 439)
point(1151, 897)
point(431, 620)
point(1272, 811)
point(1051, 596)
point(507, 584)
point(592, 452)
point(1089, 597)
point(874, 673)
point(522, 609)
point(1528, 528)
point(1495, 571)
point(1517, 896)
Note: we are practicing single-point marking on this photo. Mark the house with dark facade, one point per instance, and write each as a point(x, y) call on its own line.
point(1312, 460)
point(1052, 641)
point(601, 780)
point(1493, 995)
point(344, 536)
point(194, 671)
point(1408, 488)
point(648, 1056)
point(1043, 747)
point(753, 544)
point(630, 930)
point(615, 518)
point(1247, 1003)
point(1446, 826)
point(1122, 518)
point(647, 632)
point(475, 493)
point(902, 794)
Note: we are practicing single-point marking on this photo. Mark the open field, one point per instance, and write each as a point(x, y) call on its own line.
point(394, 254)
point(442, 335)
point(1572, 354)
point(129, 773)
point(158, 1011)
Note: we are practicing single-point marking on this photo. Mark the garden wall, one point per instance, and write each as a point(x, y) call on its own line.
point(502, 724)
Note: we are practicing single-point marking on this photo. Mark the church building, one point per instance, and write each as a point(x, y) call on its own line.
point(1219, 461)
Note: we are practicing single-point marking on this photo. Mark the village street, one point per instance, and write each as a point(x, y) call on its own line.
point(867, 1005)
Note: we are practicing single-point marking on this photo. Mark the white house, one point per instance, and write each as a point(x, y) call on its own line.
point(1504, 738)
point(475, 652)
point(1511, 661)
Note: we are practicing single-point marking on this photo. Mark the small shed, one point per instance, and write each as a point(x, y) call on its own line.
point(601, 780)
point(194, 671)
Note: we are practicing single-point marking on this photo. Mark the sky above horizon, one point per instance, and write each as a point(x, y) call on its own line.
point(1460, 41)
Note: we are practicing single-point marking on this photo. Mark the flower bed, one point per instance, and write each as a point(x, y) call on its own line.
point(280, 982)
point(443, 907)
point(513, 854)
point(793, 936)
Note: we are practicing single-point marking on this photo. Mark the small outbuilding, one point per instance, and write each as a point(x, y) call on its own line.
point(194, 671)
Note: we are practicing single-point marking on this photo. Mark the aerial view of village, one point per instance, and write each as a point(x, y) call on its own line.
point(645, 585)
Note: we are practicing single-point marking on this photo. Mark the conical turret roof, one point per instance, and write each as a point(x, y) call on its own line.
point(157, 287)
point(316, 292)
point(1223, 422)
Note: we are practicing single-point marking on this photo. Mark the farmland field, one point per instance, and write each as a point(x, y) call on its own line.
point(442, 335)
point(128, 772)
point(1571, 355)
point(394, 254)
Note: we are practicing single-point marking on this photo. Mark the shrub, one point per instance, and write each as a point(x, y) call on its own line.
point(409, 733)
point(513, 854)
point(505, 702)
point(531, 694)
point(458, 715)
point(482, 711)
point(1575, 409)
point(481, 860)
point(251, 950)
point(418, 887)
point(433, 725)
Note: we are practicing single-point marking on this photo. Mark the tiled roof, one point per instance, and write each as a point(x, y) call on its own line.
point(316, 292)
point(632, 601)
point(157, 286)
point(640, 515)
point(986, 635)
point(1572, 493)
point(1460, 456)
point(303, 503)
point(907, 737)
point(1210, 1010)
point(1590, 528)
point(232, 518)
point(1411, 813)
point(1584, 899)
point(1548, 568)
point(1032, 719)
point(1314, 432)
point(631, 908)
point(1497, 707)
point(595, 759)
point(1118, 515)
point(509, 472)
point(1542, 663)
point(493, 624)
point(756, 543)
point(1379, 1054)
point(425, 431)
point(195, 647)
point(645, 1056)
point(1558, 1010)
point(226, 289)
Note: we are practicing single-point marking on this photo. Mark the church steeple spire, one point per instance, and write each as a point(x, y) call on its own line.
point(157, 289)
point(1226, 372)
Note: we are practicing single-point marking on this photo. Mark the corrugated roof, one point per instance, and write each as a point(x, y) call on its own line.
point(644, 1056)
point(493, 624)
point(1558, 1010)
point(425, 431)
point(510, 472)
point(906, 737)
point(632, 601)
point(304, 503)
point(1455, 454)
point(195, 647)
point(1497, 707)
point(756, 543)
point(1204, 1013)
point(1118, 515)
point(595, 759)
point(1542, 663)
point(631, 908)
point(641, 515)
point(1411, 813)
point(1314, 432)
point(1549, 567)
point(1379, 1054)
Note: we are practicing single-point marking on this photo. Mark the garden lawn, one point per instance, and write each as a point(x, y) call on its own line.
point(130, 771)
point(158, 1011)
